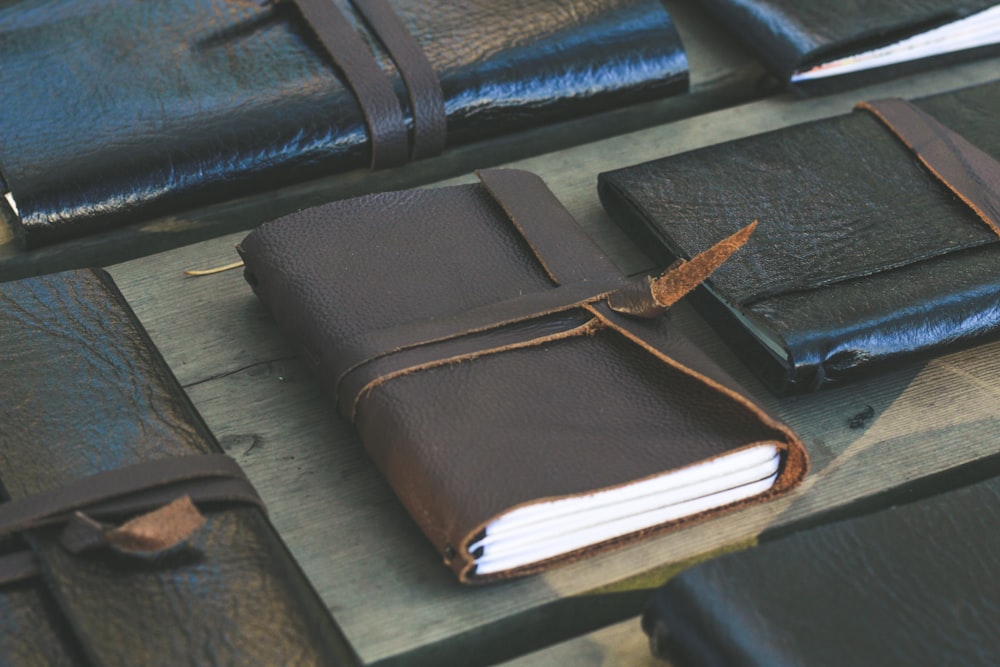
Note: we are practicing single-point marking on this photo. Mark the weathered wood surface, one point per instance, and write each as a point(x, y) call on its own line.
point(383, 582)
point(619, 645)
point(722, 74)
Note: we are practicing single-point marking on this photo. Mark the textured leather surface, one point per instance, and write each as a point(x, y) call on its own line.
point(85, 391)
point(791, 34)
point(120, 109)
point(911, 585)
point(970, 173)
point(861, 258)
point(591, 401)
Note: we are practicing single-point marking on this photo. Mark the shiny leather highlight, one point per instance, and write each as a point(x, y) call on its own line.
point(863, 259)
point(119, 110)
point(910, 585)
point(789, 35)
point(85, 391)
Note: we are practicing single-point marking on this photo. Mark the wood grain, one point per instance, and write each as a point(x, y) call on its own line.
point(383, 582)
point(616, 645)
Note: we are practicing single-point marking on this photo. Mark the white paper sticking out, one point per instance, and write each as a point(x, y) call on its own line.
point(543, 530)
point(10, 200)
point(980, 29)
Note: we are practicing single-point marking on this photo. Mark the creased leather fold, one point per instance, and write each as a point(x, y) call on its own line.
point(863, 258)
point(122, 110)
point(566, 398)
point(85, 391)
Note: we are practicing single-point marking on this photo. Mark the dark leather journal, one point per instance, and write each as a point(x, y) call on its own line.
point(120, 110)
point(94, 426)
point(481, 345)
point(867, 254)
point(912, 585)
point(818, 45)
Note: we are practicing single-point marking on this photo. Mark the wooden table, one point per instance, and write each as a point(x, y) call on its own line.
point(381, 579)
point(384, 583)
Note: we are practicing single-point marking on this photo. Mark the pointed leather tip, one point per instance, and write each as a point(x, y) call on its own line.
point(678, 281)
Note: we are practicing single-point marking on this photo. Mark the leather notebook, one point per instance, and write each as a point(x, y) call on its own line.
point(915, 584)
point(122, 110)
point(819, 46)
point(868, 254)
point(96, 432)
point(479, 343)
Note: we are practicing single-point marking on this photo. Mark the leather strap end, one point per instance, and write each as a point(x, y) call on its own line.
point(676, 282)
point(149, 534)
point(651, 297)
point(159, 530)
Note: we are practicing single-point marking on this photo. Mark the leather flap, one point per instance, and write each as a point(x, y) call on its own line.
point(836, 199)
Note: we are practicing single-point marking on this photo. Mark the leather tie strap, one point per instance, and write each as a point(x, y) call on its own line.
point(970, 173)
point(547, 226)
point(378, 102)
point(141, 487)
point(381, 108)
point(422, 85)
point(582, 279)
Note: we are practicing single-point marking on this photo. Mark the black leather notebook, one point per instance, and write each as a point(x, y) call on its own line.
point(90, 411)
point(117, 111)
point(912, 585)
point(864, 258)
point(818, 45)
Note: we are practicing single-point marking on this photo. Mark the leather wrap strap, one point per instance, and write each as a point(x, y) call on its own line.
point(582, 278)
point(422, 85)
point(547, 226)
point(381, 108)
point(971, 174)
point(205, 478)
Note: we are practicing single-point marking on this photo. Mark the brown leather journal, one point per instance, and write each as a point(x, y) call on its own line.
point(527, 402)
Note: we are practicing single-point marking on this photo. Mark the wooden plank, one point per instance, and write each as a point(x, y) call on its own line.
point(620, 644)
point(722, 74)
point(379, 576)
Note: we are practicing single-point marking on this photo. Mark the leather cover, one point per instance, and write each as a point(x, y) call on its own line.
point(118, 110)
point(560, 402)
point(910, 585)
point(862, 260)
point(85, 391)
point(790, 35)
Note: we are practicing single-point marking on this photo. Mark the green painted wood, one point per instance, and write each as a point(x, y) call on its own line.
point(382, 581)
point(722, 74)
point(614, 646)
